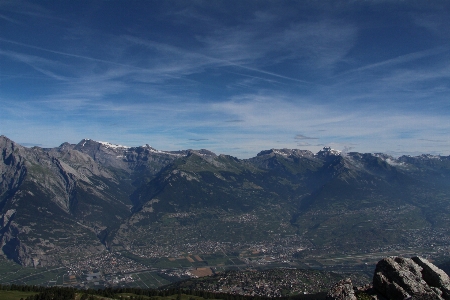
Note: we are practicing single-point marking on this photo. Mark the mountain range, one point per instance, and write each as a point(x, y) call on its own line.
point(69, 202)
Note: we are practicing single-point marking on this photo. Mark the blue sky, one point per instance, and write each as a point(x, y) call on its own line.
point(234, 77)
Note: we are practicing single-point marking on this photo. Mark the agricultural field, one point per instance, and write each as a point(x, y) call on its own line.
point(12, 273)
point(149, 280)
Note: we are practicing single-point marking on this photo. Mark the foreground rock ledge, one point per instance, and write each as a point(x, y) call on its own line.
point(399, 278)
point(343, 290)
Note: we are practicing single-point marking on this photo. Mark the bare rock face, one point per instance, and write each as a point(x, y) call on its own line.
point(12, 169)
point(343, 290)
point(435, 277)
point(399, 278)
point(410, 278)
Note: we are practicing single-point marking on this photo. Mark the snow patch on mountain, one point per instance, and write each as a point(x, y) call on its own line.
point(153, 150)
point(113, 146)
point(329, 151)
point(279, 152)
point(394, 162)
point(389, 159)
point(84, 143)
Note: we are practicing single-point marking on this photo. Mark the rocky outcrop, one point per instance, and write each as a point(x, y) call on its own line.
point(410, 278)
point(434, 276)
point(10, 244)
point(343, 290)
point(12, 169)
point(399, 278)
point(6, 218)
point(13, 248)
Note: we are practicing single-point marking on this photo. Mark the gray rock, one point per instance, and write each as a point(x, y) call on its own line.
point(12, 168)
point(6, 218)
point(434, 277)
point(405, 278)
point(343, 290)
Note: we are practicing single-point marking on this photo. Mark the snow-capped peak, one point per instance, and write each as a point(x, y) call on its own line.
point(114, 146)
point(329, 151)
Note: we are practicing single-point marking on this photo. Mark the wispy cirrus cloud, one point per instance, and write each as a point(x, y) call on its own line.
point(398, 60)
point(28, 9)
point(188, 62)
point(303, 137)
point(11, 20)
point(241, 77)
point(266, 123)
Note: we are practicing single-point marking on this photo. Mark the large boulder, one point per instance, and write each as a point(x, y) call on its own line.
point(410, 278)
point(434, 276)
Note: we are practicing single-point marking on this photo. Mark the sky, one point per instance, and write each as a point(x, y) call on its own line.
point(234, 77)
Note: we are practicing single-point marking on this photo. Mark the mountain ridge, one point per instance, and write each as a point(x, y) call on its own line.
point(57, 202)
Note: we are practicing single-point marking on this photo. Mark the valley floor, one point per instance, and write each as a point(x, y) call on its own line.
point(123, 269)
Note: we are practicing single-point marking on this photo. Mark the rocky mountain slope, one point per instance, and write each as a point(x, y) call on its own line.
point(73, 201)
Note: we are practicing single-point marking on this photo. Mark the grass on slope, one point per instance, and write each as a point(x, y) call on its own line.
point(15, 295)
